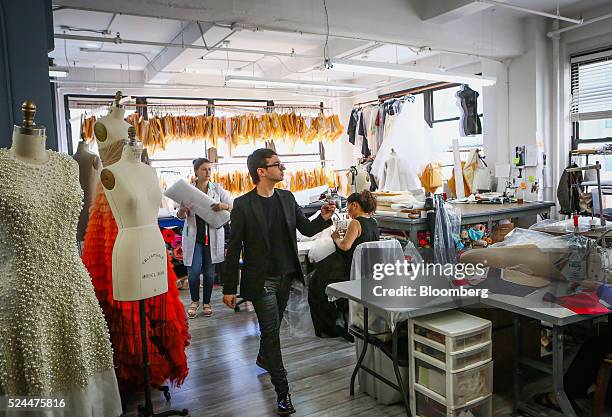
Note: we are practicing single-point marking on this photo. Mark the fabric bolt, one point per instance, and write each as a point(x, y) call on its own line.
point(177, 241)
point(53, 338)
point(167, 329)
point(216, 237)
point(168, 235)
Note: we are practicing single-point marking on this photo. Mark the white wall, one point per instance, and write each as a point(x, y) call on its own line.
point(495, 111)
point(530, 99)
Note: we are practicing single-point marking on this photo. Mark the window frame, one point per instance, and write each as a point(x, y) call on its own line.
point(575, 138)
point(430, 117)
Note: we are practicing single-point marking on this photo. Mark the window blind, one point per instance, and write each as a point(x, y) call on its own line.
point(591, 86)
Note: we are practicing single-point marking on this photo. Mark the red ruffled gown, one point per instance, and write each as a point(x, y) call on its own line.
point(167, 329)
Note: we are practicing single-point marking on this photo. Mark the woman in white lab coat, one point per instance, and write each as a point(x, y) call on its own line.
point(203, 246)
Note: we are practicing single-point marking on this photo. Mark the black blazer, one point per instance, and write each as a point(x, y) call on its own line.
point(248, 234)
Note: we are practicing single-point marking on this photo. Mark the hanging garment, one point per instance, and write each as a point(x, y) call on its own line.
point(368, 167)
point(365, 149)
point(167, 329)
point(569, 191)
point(53, 338)
point(372, 130)
point(352, 126)
point(408, 134)
point(470, 122)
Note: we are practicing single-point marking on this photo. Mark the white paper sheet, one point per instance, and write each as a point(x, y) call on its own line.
point(502, 170)
point(531, 155)
point(310, 195)
point(200, 203)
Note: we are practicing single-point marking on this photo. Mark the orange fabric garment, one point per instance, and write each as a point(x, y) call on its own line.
point(167, 329)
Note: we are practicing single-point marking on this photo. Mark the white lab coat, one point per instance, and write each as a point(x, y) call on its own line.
point(216, 237)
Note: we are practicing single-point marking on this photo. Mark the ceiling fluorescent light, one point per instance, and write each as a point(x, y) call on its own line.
point(230, 79)
point(58, 72)
point(402, 71)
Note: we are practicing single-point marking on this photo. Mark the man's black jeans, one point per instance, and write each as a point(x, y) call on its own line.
point(269, 309)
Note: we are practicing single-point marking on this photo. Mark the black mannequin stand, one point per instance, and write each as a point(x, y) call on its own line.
point(146, 410)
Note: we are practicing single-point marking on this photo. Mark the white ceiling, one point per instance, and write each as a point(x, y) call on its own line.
point(494, 31)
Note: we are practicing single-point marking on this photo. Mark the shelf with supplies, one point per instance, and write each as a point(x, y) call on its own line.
point(451, 365)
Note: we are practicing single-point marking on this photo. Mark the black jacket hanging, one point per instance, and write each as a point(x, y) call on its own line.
point(352, 126)
point(569, 190)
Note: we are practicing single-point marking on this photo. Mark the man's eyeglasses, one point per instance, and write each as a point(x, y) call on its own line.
point(280, 166)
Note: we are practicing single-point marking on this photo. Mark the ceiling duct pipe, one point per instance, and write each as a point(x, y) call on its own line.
point(531, 11)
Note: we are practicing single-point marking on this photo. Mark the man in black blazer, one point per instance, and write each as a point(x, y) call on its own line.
point(263, 224)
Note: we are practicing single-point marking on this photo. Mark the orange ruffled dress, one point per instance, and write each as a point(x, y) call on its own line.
point(167, 329)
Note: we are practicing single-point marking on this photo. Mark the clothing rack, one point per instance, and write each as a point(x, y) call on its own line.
point(398, 94)
point(239, 163)
point(238, 156)
point(90, 104)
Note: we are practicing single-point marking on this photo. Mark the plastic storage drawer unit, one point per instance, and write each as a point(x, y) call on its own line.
point(428, 407)
point(450, 365)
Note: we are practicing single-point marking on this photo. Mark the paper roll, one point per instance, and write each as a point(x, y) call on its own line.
point(199, 202)
point(459, 190)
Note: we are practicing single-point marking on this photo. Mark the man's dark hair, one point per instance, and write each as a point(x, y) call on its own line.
point(258, 159)
point(197, 163)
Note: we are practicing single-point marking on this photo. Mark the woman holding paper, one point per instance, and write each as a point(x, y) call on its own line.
point(203, 246)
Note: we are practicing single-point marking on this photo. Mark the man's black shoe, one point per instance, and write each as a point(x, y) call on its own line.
point(284, 407)
point(260, 362)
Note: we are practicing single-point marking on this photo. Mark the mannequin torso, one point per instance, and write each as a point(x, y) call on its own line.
point(470, 122)
point(139, 254)
point(30, 146)
point(89, 165)
point(111, 128)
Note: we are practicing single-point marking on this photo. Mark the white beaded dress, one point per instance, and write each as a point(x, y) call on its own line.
point(53, 337)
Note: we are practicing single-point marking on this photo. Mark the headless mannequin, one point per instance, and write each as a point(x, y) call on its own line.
point(111, 131)
point(362, 179)
point(89, 165)
point(470, 122)
point(139, 255)
point(29, 139)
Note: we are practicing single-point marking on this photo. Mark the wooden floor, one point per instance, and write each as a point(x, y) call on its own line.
point(224, 381)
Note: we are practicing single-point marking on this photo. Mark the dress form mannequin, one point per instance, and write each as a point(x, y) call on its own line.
point(470, 122)
point(139, 255)
point(29, 139)
point(362, 178)
point(89, 173)
point(63, 330)
point(111, 131)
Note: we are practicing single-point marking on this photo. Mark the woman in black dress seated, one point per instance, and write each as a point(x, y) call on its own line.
point(337, 266)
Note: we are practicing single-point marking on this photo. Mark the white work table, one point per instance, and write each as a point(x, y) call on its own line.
point(531, 306)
